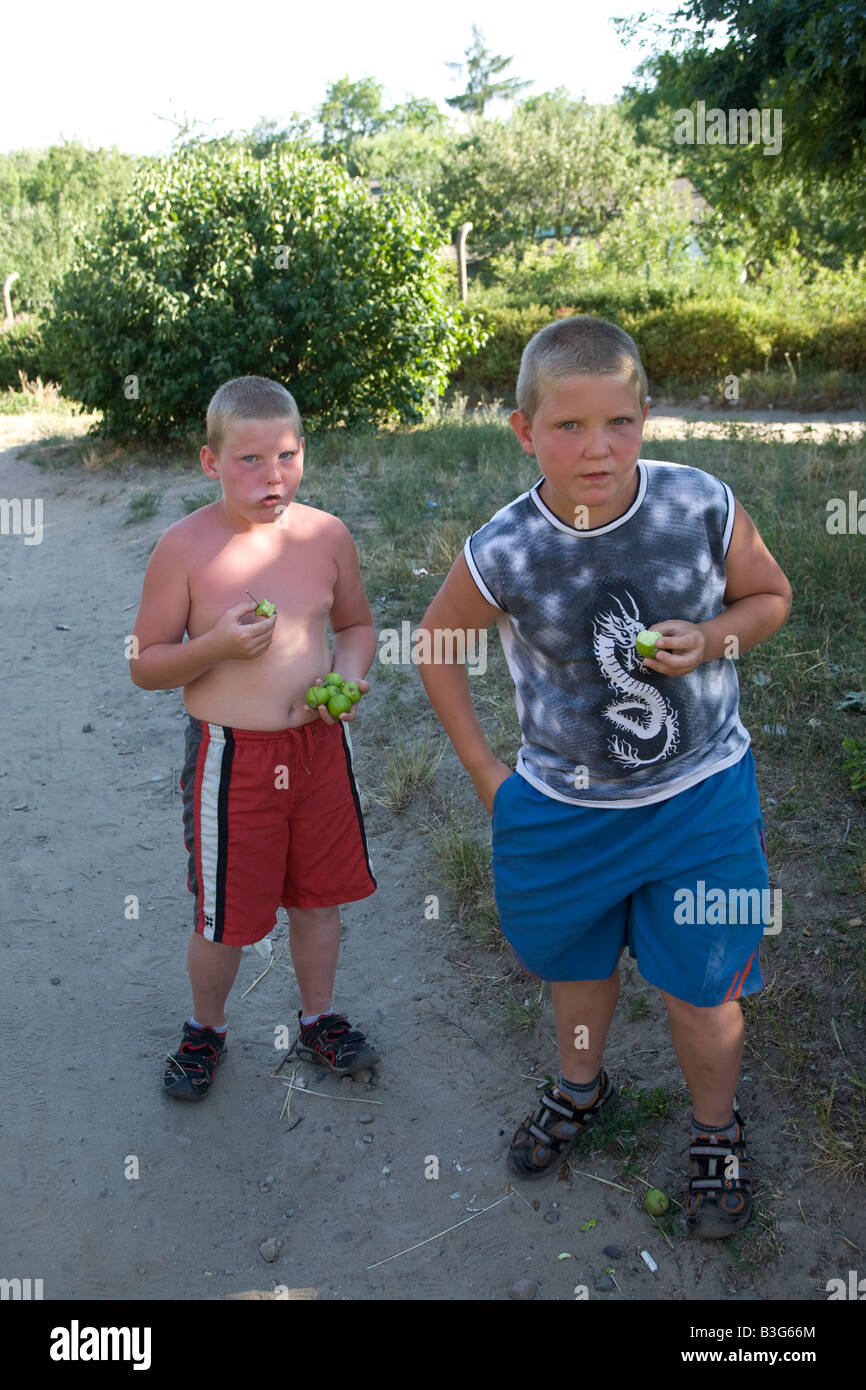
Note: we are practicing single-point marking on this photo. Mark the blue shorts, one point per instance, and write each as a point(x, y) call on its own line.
point(682, 882)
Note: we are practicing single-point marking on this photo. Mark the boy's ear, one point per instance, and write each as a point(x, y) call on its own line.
point(523, 430)
point(208, 462)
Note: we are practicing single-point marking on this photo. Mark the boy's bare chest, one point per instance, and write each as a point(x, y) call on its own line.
point(297, 575)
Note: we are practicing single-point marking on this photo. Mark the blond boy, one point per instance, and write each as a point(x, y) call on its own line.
point(635, 788)
point(271, 810)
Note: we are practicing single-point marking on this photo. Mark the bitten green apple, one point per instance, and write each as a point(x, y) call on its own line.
point(645, 643)
point(264, 609)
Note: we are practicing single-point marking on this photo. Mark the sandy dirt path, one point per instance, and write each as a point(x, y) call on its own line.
point(94, 998)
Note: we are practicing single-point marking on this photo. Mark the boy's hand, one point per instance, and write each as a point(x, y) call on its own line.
point(488, 780)
point(681, 650)
point(235, 640)
point(322, 710)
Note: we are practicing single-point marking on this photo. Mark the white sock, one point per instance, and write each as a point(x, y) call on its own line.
point(314, 1018)
point(222, 1028)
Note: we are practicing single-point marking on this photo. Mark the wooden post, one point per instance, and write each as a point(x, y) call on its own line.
point(461, 260)
point(7, 298)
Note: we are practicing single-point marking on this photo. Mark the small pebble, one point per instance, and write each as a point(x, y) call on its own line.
point(87, 728)
point(291, 1212)
point(55, 979)
point(341, 1177)
point(614, 1252)
point(386, 1171)
point(524, 1290)
point(367, 1139)
point(551, 1217)
point(603, 1283)
point(269, 1250)
point(365, 1118)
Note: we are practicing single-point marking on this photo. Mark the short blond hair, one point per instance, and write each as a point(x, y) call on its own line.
point(580, 345)
point(249, 398)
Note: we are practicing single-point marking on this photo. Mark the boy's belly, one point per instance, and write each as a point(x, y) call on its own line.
point(266, 693)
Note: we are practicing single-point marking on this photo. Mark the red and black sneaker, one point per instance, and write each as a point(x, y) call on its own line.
point(333, 1043)
point(188, 1073)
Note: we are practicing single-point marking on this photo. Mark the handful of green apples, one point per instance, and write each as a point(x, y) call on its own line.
point(338, 696)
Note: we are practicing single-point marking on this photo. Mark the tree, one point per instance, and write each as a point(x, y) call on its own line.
point(44, 196)
point(218, 265)
point(556, 168)
point(350, 112)
point(803, 58)
point(807, 57)
point(481, 67)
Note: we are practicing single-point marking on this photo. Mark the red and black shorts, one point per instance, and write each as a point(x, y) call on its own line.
point(270, 819)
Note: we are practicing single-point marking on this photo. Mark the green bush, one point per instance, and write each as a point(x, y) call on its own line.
point(219, 265)
point(22, 349)
point(702, 337)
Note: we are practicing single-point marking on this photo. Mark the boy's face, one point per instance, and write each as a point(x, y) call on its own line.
point(259, 467)
point(586, 434)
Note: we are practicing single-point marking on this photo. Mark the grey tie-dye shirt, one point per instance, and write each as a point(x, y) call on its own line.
point(598, 730)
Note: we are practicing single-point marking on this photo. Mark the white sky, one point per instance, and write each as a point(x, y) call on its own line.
point(104, 73)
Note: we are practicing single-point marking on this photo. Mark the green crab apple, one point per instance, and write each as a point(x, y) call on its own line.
point(335, 679)
point(339, 704)
point(352, 691)
point(645, 643)
point(264, 609)
point(656, 1202)
point(318, 695)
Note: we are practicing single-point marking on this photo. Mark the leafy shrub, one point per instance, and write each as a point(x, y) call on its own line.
point(219, 265)
point(22, 349)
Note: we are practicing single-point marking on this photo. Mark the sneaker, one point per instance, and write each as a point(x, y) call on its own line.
point(333, 1043)
point(719, 1200)
point(188, 1073)
point(545, 1137)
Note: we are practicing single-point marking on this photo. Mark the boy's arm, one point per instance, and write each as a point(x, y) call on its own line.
point(459, 606)
point(758, 596)
point(165, 661)
point(351, 623)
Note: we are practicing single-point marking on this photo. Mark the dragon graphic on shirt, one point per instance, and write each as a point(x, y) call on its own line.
point(642, 713)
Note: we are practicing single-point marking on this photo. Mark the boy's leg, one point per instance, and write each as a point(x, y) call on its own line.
point(314, 942)
point(709, 1047)
point(588, 1004)
point(212, 969)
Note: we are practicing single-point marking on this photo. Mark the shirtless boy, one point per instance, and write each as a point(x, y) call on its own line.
point(270, 806)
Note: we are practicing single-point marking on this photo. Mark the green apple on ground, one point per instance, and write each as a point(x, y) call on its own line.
point(645, 642)
point(656, 1202)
